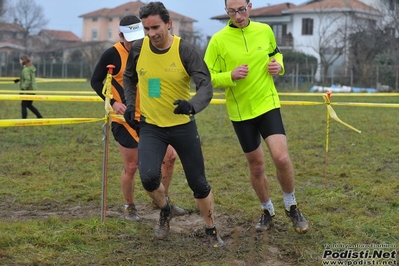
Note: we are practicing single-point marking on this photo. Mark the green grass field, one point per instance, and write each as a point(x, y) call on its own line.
point(50, 190)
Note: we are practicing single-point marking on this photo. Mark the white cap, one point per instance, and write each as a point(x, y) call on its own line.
point(132, 32)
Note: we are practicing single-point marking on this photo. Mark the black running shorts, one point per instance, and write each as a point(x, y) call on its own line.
point(249, 131)
point(122, 136)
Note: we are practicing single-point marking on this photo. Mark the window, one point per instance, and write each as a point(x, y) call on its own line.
point(307, 26)
point(3, 57)
point(109, 34)
point(279, 30)
point(390, 31)
point(94, 34)
point(392, 5)
point(110, 19)
point(94, 19)
point(371, 23)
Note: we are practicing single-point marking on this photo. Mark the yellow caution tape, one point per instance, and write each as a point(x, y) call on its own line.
point(218, 101)
point(64, 98)
point(113, 114)
point(78, 98)
point(107, 91)
point(46, 122)
point(333, 115)
point(48, 92)
point(8, 80)
point(52, 121)
point(387, 105)
point(385, 94)
point(339, 94)
point(41, 80)
point(296, 103)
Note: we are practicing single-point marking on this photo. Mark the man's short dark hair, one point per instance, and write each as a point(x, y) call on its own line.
point(225, 2)
point(154, 8)
point(129, 20)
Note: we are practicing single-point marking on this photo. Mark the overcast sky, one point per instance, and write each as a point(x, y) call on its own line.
point(64, 15)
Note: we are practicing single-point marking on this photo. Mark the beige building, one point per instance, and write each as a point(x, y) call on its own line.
point(103, 24)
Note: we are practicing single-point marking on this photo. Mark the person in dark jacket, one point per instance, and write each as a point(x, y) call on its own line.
point(27, 81)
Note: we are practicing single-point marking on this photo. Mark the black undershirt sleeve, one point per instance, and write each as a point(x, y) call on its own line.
point(109, 57)
point(130, 77)
point(196, 67)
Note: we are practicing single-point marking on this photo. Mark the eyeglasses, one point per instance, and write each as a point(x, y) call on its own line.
point(241, 10)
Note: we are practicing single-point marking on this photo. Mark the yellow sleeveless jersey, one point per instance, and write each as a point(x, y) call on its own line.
point(162, 80)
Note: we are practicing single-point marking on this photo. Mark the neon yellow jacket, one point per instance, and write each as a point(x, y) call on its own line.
point(231, 47)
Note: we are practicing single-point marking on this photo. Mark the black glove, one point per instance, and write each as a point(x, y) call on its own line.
point(129, 118)
point(183, 107)
point(16, 80)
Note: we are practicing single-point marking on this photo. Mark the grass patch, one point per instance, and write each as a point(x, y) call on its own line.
point(50, 189)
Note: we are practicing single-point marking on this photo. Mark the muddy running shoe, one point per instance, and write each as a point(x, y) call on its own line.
point(162, 227)
point(176, 210)
point(298, 221)
point(213, 237)
point(131, 213)
point(265, 221)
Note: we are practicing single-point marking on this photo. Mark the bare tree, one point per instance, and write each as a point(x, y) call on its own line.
point(29, 15)
point(331, 42)
point(3, 9)
point(376, 60)
point(329, 39)
point(91, 53)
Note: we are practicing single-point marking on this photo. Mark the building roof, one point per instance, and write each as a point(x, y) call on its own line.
point(11, 27)
point(60, 35)
point(130, 8)
point(268, 11)
point(13, 45)
point(103, 12)
point(331, 6)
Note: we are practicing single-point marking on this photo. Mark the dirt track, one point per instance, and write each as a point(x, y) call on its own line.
point(189, 223)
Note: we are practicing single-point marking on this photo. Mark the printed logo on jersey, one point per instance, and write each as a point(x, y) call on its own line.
point(142, 72)
point(172, 68)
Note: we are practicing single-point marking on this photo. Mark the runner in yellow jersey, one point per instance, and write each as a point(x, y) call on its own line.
point(131, 29)
point(162, 65)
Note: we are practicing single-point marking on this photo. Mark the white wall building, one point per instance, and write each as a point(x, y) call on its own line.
point(323, 26)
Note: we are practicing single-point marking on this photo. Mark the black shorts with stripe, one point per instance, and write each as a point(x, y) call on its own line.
point(122, 136)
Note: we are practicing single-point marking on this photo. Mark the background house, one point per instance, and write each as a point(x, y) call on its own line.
point(47, 46)
point(103, 24)
point(11, 44)
point(356, 40)
point(323, 28)
point(272, 15)
point(63, 54)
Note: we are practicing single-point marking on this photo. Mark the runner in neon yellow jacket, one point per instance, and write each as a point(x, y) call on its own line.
point(242, 58)
point(253, 46)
